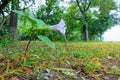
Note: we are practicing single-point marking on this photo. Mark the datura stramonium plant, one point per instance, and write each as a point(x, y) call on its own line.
point(60, 27)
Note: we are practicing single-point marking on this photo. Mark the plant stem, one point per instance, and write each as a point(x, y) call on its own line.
point(26, 50)
point(28, 44)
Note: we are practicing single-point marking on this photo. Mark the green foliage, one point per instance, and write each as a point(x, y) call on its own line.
point(91, 66)
point(97, 21)
point(5, 43)
point(114, 71)
point(6, 7)
point(36, 24)
point(32, 20)
point(51, 13)
point(73, 23)
point(68, 72)
point(99, 24)
point(106, 6)
point(97, 18)
point(46, 40)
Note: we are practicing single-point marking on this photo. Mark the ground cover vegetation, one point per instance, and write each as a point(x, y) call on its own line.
point(23, 57)
point(69, 61)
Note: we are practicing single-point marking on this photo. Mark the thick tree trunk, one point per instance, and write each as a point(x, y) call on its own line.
point(13, 25)
point(85, 33)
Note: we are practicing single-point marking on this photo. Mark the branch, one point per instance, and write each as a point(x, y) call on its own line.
point(84, 5)
point(25, 3)
point(4, 3)
point(79, 6)
point(28, 44)
point(88, 6)
point(26, 7)
point(3, 20)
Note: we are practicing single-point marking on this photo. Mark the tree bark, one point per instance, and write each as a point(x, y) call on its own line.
point(85, 33)
point(13, 25)
point(83, 9)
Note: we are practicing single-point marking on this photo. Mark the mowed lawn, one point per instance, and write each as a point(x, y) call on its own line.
point(69, 61)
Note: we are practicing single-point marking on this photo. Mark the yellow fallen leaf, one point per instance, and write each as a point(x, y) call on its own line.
point(70, 74)
point(2, 78)
point(95, 59)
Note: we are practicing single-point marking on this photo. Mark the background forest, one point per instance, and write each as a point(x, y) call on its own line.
point(85, 19)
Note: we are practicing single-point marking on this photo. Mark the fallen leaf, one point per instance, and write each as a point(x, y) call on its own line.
point(2, 78)
point(95, 59)
point(26, 69)
point(14, 78)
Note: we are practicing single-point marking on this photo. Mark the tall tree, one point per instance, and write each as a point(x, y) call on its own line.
point(7, 6)
point(13, 19)
point(85, 5)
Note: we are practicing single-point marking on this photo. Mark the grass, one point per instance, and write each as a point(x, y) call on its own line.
point(71, 60)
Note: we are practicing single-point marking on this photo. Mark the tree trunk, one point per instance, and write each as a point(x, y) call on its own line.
point(85, 33)
point(13, 25)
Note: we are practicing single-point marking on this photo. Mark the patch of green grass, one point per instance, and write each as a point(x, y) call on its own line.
point(90, 54)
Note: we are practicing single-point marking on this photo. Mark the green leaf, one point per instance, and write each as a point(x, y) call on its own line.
point(96, 64)
point(39, 22)
point(26, 16)
point(19, 12)
point(83, 78)
point(46, 40)
point(31, 20)
point(69, 72)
